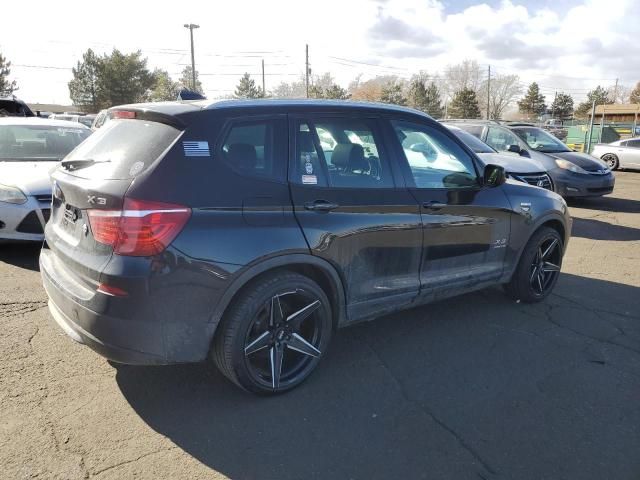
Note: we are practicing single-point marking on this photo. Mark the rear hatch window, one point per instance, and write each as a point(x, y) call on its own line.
point(122, 149)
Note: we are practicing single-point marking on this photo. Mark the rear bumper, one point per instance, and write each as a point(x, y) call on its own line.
point(120, 340)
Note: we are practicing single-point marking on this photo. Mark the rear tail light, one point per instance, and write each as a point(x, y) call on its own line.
point(141, 228)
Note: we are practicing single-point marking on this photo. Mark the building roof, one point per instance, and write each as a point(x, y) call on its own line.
point(617, 108)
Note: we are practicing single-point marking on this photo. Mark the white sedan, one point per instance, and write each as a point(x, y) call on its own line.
point(29, 149)
point(619, 154)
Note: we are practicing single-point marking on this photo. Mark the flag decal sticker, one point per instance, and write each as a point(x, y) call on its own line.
point(196, 149)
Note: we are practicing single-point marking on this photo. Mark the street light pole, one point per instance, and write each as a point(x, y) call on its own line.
point(191, 26)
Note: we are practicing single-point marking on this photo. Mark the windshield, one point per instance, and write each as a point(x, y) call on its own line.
point(39, 142)
point(474, 143)
point(540, 141)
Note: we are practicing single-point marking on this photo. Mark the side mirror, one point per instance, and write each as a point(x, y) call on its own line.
point(425, 149)
point(514, 149)
point(494, 176)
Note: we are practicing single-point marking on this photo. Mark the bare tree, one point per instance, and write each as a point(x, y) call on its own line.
point(504, 89)
point(619, 93)
point(463, 76)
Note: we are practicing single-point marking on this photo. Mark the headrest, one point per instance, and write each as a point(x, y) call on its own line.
point(348, 155)
point(242, 155)
point(305, 142)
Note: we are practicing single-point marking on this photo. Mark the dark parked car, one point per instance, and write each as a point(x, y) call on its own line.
point(248, 231)
point(12, 106)
point(573, 174)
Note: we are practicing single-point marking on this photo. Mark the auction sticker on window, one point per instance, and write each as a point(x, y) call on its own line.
point(309, 179)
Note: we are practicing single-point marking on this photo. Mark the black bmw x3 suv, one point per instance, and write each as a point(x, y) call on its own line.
point(247, 232)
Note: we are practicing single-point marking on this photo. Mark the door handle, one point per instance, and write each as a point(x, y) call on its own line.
point(433, 205)
point(320, 206)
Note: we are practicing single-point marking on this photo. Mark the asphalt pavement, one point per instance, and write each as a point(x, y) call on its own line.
point(476, 387)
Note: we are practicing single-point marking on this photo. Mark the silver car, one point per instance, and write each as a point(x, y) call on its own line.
point(518, 168)
point(619, 154)
point(29, 149)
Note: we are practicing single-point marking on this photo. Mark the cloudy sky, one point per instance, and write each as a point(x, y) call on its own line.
point(567, 45)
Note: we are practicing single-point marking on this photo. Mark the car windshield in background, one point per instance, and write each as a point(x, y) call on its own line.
point(86, 121)
point(541, 141)
point(474, 143)
point(39, 142)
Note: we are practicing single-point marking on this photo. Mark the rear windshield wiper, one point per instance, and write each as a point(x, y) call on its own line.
point(76, 164)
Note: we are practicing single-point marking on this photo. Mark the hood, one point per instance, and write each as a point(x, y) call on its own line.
point(583, 160)
point(30, 177)
point(512, 163)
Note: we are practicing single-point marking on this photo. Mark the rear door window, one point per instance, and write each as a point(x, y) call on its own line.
point(251, 148)
point(340, 152)
point(123, 149)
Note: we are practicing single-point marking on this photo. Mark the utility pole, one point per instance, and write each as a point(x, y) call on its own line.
point(446, 105)
point(615, 92)
point(553, 105)
point(489, 93)
point(306, 69)
point(264, 92)
point(593, 114)
point(191, 26)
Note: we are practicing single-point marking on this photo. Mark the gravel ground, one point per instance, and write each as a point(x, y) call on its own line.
point(477, 387)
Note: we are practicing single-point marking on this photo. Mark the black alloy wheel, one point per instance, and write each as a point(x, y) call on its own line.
point(275, 334)
point(539, 267)
point(545, 266)
point(283, 339)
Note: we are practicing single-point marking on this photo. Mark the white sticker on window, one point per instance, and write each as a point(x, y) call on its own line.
point(310, 179)
point(196, 149)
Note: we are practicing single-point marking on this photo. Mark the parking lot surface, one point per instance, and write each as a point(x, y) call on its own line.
point(475, 387)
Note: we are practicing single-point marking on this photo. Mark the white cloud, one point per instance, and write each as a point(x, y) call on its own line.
point(576, 49)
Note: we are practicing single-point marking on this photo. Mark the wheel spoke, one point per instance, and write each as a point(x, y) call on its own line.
point(276, 357)
point(296, 319)
point(540, 279)
point(259, 343)
point(275, 314)
point(549, 250)
point(299, 344)
point(534, 274)
point(550, 267)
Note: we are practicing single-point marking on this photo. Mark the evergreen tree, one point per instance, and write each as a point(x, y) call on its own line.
point(425, 97)
point(533, 101)
point(392, 93)
point(333, 91)
point(124, 78)
point(247, 88)
point(599, 95)
point(84, 88)
point(6, 87)
point(464, 104)
point(164, 88)
point(562, 106)
point(186, 80)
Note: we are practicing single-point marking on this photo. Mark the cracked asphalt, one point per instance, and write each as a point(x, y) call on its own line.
point(478, 387)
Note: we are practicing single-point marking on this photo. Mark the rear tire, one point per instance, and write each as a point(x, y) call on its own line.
point(611, 160)
point(539, 267)
point(274, 334)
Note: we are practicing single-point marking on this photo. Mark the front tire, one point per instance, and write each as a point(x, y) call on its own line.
point(274, 334)
point(611, 160)
point(539, 267)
